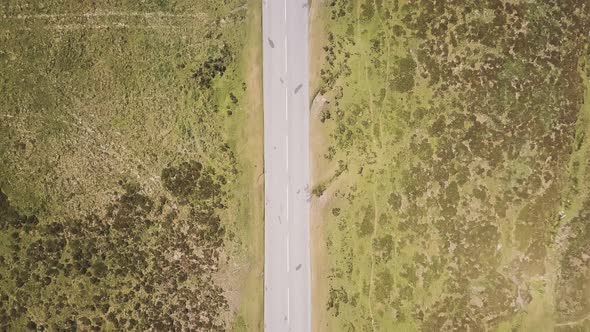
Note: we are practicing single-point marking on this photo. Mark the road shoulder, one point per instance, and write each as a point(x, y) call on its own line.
point(319, 169)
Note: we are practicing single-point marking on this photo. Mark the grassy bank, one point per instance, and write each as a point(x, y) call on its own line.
point(127, 200)
point(452, 186)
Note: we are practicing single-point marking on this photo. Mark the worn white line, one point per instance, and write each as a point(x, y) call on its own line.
point(287, 197)
point(286, 55)
point(288, 305)
point(288, 258)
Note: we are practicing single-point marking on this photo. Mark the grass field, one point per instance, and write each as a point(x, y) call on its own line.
point(131, 154)
point(451, 178)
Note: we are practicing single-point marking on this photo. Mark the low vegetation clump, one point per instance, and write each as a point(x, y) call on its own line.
point(464, 205)
point(123, 198)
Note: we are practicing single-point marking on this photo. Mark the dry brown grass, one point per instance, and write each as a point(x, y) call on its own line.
point(320, 169)
point(251, 302)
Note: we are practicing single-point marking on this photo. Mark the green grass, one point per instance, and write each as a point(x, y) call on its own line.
point(103, 105)
point(459, 146)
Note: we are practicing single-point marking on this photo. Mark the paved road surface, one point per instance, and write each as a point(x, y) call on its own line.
point(287, 305)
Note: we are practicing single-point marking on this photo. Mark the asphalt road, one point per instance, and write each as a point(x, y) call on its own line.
point(287, 298)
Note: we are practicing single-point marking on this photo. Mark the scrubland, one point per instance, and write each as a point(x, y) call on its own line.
point(130, 159)
point(452, 175)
